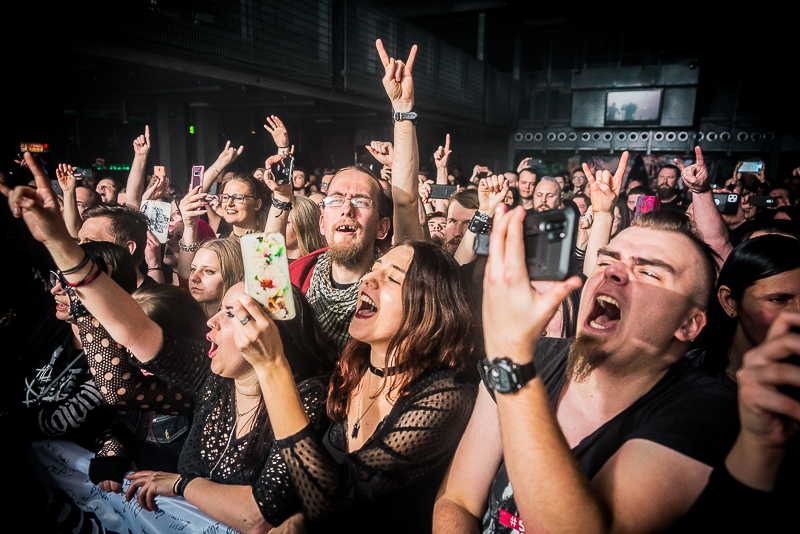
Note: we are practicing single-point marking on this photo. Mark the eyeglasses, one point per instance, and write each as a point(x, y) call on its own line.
point(237, 199)
point(57, 278)
point(360, 203)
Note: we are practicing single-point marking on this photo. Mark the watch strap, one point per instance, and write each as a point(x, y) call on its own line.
point(405, 116)
point(504, 376)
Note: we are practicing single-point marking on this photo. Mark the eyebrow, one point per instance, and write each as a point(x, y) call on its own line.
point(393, 266)
point(638, 260)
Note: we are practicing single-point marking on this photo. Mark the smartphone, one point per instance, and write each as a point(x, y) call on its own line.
point(57, 188)
point(533, 163)
point(549, 239)
point(266, 273)
point(646, 204)
point(763, 201)
point(751, 166)
point(482, 174)
point(727, 203)
point(794, 359)
point(158, 170)
point(79, 174)
point(442, 191)
point(197, 176)
point(282, 170)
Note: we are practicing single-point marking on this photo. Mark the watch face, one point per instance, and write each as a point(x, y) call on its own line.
point(500, 376)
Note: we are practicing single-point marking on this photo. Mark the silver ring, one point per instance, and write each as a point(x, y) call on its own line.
point(245, 320)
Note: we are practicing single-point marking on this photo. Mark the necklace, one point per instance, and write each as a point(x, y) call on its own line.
point(357, 426)
point(239, 391)
point(388, 371)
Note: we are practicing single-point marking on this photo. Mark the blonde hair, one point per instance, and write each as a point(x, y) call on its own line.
point(231, 265)
point(305, 219)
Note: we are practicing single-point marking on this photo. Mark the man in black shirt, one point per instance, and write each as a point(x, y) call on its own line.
point(614, 432)
point(668, 191)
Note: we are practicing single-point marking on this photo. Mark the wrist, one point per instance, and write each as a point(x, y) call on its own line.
point(282, 197)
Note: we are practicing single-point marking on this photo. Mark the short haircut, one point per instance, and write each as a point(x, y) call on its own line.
point(126, 224)
point(530, 170)
point(435, 214)
point(584, 197)
point(678, 223)
point(93, 195)
point(640, 190)
point(467, 198)
point(551, 180)
point(671, 167)
point(383, 200)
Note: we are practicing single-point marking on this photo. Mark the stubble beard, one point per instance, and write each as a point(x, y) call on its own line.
point(584, 357)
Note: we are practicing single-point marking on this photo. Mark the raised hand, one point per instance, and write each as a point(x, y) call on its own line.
point(603, 187)
point(491, 192)
point(424, 190)
point(39, 207)
point(383, 151)
point(192, 206)
point(442, 154)
point(141, 145)
point(258, 339)
point(514, 314)
point(229, 154)
point(278, 131)
point(65, 177)
point(475, 170)
point(696, 176)
point(21, 161)
point(284, 191)
point(523, 165)
point(397, 81)
point(158, 188)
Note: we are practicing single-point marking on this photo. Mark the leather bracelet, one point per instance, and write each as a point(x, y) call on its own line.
point(188, 248)
point(78, 267)
point(183, 481)
point(283, 206)
point(87, 279)
point(480, 223)
point(284, 146)
point(153, 269)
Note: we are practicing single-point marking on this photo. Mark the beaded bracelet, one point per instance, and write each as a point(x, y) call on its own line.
point(189, 248)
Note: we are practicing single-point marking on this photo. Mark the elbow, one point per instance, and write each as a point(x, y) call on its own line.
point(256, 524)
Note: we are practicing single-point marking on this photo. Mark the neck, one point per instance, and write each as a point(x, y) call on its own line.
point(139, 278)
point(527, 203)
point(351, 275)
point(739, 346)
point(246, 385)
point(240, 230)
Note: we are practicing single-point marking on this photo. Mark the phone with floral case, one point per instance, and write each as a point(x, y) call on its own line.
point(266, 273)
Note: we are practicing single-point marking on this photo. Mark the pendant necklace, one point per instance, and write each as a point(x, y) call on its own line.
point(357, 425)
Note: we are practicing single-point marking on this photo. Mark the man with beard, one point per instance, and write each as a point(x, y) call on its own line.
point(617, 432)
point(667, 189)
point(547, 195)
point(355, 214)
point(459, 213)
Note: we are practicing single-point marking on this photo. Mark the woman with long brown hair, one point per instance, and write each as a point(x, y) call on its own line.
point(399, 398)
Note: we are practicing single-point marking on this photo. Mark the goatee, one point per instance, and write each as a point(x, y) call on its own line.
point(584, 357)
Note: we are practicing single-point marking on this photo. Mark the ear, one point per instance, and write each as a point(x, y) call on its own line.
point(692, 326)
point(383, 227)
point(258, 204)
point(131, 245)
point(322, 223)
point(727, 302)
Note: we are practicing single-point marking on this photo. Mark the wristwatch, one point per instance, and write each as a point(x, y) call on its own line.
point(405, 116)
point(504, 376)
point(480, 223)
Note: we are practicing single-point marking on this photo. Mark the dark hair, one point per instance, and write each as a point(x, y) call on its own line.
point(671, 167)
point(584, 197)
point(106, 254)
point(467, 198)
point(515, 195)
point(435, 331)
point(160, 303)
point(640, 190)
point(126, 224)
point(258, 189)
point(93, 195)
point(775, 226)
point(751, 261)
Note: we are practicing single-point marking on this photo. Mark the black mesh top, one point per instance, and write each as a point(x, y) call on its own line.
point(390, 483)
point(182, 382)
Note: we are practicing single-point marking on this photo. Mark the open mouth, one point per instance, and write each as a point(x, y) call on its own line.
point(605, 313)
point(347, 228)
point(366, 307)
point(62, 307)
point(213, 348)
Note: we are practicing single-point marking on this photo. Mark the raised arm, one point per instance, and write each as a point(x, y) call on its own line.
point(280, 135)
point(441, 157)
point(216, 170)
point(707, 219)
point(278, 215)
point(135, 186)
point(604, 191)
point(399, 86)
point(491, 192)
point(383, 151)
point(107, 301)
point(464, 492)
point(72, 217)
point(192, 206)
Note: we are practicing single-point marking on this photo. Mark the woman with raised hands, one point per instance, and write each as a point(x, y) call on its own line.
point(230, 468)
point(399, 398)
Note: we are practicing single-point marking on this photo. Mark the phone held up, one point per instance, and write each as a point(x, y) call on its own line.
point(727, 203)
point(646, 204)
point(197, 176)
point(751, 166)
point(282, 170)
point(794, 359)
point(266, 273)
point(440, 191)
point(549, 240)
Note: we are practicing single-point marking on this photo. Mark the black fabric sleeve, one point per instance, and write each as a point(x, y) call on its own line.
point(275, 492)
point(415, 443)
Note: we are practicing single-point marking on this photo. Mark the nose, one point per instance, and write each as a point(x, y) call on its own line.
point(213, 321)
point(617, 273)
point(194, 278)
point(57, 289)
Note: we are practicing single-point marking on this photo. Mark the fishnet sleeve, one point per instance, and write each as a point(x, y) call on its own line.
point(112, 461)
point(274, 492)
point(120, 382)
point(420, 439)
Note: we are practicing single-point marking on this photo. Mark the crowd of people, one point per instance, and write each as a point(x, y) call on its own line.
point(422, 386)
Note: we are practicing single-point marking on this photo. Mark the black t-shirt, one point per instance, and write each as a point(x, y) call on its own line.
point(687, 410)
point(678, 204)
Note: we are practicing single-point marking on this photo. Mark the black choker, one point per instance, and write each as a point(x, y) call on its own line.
point(388, 371)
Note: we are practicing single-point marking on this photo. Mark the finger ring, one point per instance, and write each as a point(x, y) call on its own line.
point(246, 320)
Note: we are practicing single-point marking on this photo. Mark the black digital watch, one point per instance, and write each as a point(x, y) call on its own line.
point(504, 376)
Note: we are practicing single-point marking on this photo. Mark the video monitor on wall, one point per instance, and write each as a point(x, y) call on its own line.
point(633, 107)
